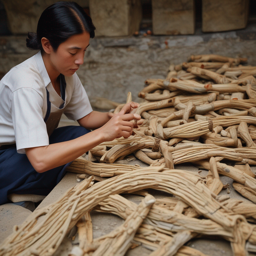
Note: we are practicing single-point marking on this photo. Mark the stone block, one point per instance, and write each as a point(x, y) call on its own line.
point(115, 17)
point(173, 17)
point(24, 15)
point(224, 15)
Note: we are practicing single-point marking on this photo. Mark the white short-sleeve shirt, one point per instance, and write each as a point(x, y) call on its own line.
point(23, 103)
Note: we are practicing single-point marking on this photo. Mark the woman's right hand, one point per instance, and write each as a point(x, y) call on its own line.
point(120, 125)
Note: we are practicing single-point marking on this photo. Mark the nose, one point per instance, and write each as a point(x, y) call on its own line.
point(80, 59)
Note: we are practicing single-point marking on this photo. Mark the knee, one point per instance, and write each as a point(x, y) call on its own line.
point(78, 131)
point(67, 133)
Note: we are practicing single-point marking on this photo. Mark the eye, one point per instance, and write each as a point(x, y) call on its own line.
point(72, 53)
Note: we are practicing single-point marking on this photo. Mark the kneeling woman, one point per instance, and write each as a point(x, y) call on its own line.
point(34, 95)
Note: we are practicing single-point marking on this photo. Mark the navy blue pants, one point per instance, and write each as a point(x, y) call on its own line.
point(18, 176)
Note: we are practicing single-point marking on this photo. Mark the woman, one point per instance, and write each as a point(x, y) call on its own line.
point(34, 95)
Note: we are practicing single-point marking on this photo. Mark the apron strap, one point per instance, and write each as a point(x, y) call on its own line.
point(48, 106)
point(62, 90)
point(63, 96)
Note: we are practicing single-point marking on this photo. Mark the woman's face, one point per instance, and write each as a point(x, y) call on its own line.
point(70, 54)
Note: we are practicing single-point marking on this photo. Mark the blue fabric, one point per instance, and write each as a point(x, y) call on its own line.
point(18, 176)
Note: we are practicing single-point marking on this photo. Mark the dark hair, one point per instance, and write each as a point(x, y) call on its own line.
point(58, 22)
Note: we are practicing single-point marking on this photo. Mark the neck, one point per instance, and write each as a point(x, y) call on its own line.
point(51, 70)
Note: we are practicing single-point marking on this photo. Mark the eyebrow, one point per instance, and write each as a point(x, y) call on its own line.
point(77, 48)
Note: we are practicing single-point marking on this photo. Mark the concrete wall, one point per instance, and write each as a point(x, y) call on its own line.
point(115, 66)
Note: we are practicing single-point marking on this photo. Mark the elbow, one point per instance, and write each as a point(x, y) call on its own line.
point(38, 164)
point(37, 161)
point(40, 167)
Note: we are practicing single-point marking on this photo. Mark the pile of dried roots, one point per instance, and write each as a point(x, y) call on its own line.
point(203, 113)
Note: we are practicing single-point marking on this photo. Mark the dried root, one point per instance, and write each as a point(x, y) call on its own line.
point(204, 112)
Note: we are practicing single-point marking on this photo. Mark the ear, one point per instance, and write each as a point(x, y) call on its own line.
point(46, 45)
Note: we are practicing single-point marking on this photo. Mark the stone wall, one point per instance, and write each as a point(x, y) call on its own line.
point(115, 66)
point(115, 18)
point(23, 15)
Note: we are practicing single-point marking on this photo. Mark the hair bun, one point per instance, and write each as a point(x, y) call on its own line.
point(32, 41)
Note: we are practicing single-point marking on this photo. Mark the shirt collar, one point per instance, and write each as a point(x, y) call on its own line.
point(42, 69)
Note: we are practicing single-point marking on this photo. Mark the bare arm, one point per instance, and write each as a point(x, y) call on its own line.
point(95, 120)
point(48, 157)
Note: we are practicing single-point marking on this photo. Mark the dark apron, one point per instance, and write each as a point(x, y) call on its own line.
point(53, 114)
point(17, 175)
